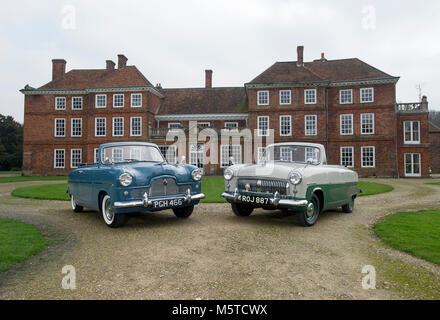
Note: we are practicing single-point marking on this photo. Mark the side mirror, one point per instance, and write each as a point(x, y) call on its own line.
point(311, 161)
point(182, 160)
point(231, 161)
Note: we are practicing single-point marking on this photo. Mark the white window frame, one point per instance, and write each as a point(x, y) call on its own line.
point(114, 151)
point(258, 126)
point(96, 101)
point(411, 132)
point(131, 127)
point(73, 100)
point(372, 95)
point(55, 158)
point(173, 154)
point(352, 156)
point(235, 125)
point(362, 157)
point(412, 164)
point(290, 97)
point(258, 97)
point(196, 154)
point(114, 100)
point(316, 125)
point(170, 124)
point(96, 127)
point(95, 155)
point(71, 158)
point(55, 127)
point(131, 100)
point(351, 96)
point(237, 161)
point(362, 120)
point(315, 95)
point(113, 126)
point(71, 128)
point(290, 126)
point(60, 99)
point(283, 152)
point(205, 124)
point(341, 126)
point(260, 154)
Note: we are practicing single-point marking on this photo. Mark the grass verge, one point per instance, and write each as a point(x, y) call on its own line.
point(18, 241)
point(417, 233)
point(22, 179)
point(212, 187)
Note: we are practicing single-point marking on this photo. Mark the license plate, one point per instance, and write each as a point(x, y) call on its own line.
point(254, 200)
point(168, 203)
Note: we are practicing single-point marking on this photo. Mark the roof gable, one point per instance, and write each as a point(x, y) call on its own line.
point(319, 71)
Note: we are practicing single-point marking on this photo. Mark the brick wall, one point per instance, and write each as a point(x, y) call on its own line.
point(434, 139)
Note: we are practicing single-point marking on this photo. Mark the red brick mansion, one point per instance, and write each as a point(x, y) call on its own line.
point(346, 105)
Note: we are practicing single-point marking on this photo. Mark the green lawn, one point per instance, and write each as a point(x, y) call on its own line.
point(18, 241)
point(10, 172)
point(372, 188)
point(434, 183)
point(417, 233)
point(22, 179)
point(212, 187)
point(44, 192)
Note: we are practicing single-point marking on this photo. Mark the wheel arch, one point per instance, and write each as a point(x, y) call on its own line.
point(320, 194)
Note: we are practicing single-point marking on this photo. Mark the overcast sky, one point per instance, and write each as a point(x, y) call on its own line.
point(173, 42)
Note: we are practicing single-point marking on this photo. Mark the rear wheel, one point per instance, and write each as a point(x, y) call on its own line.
point(241, 210)
point(183, 212)
point(111, 219)
point(309, 217)
point(75, 207)
point(349, 207)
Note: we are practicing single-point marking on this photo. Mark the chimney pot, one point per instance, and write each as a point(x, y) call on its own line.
point(110, 65)
point(58, 68)
point(208, 78)
point(122, 61)
point(300, 51)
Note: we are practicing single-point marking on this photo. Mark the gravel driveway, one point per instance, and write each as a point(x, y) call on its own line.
point(217, 255)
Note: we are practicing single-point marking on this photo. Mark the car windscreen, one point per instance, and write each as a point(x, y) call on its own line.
point(121, 153)
point(293, 153)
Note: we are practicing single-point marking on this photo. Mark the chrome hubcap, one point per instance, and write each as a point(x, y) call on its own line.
point(310, 210)
point(108, 211)
point(73, 203)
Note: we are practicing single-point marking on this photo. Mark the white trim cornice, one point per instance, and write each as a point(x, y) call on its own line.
point(216, 116)
point(92, 90)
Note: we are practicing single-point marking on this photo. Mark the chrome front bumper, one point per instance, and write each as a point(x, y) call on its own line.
point(275, 201)
point(146, 202)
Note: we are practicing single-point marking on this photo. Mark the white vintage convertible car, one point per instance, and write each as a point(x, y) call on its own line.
point(291, 176)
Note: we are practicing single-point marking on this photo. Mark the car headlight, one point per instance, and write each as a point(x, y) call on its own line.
point(228, 174)
point(295, 178)
point(125, 179)
point(197, 174)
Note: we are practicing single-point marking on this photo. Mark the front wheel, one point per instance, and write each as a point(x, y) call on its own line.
point(183, 212)
point(75, 207)
point(309, 217)
point(349, 207)
point(111, 219)
point(241, 210)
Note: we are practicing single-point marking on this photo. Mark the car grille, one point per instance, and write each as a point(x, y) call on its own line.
point(158, 188)
point(266, 186)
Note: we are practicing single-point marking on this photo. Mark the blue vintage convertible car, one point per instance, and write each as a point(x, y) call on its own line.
point(132, 177)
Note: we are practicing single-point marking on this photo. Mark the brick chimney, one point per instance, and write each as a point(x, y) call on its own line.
point(110, 65)
point(300, 51)
point(122, 61)
point(208, 78)
point(58, 68)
